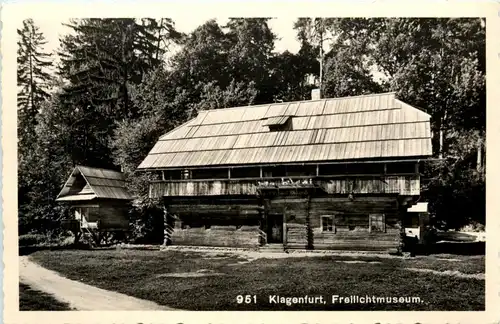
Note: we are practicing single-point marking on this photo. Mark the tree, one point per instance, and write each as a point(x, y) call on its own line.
point(236, 94)
point(250, 54)
point(162, 109)
point(202, 59)
point(103, 60)
point(32, 81)
point(290, 74)
point(43, 172)
point(313, 33)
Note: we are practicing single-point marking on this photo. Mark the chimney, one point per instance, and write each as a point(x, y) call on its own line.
point(315, 94)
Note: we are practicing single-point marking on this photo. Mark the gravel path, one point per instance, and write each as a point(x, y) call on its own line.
point(78, 295)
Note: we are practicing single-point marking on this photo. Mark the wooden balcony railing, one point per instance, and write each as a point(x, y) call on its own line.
point(394, 184)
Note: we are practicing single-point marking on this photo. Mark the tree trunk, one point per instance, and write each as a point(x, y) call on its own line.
point(479, 161)
point(321, 61)
point(442, 134)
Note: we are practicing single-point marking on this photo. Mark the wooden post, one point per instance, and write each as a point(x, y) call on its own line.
point(77, 237)
point(166, 229)
point(423, 222)
point(317, 168)
point(261, 172)
point(229, 173)
point(310, 234)
point(284, 228)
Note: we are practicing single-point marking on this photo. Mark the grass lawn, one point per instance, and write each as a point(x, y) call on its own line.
point(147, 275)
point(34, 300)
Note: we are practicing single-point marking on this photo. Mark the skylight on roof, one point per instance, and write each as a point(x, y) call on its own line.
point(278, 123)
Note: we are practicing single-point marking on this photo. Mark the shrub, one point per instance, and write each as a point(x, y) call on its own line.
point(473, 227)
point(33, 239)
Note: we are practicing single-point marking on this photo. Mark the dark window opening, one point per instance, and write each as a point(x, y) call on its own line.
point(353, 168)
point(365, 168)
point(209, 174)
point(245, 173)
point(301, 170)
point(172, 175)
point(401, 167)
point(277, 171)
point(327, 223)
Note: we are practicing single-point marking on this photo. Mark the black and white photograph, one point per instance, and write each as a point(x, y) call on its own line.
point(270, 163)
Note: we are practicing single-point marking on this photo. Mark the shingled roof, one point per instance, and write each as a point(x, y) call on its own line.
point(362, 127)
point(86, 183)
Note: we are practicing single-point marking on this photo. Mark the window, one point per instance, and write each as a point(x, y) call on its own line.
point(328, 223)
point(377, 223)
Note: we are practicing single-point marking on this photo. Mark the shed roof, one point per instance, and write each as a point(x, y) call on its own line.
point(98, 183)
point(363, 127)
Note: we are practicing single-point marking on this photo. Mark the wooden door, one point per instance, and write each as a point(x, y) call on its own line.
point(275, 228)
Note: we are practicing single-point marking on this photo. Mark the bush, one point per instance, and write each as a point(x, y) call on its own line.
point(473, 227)
point(33, 239)
point(38, 239)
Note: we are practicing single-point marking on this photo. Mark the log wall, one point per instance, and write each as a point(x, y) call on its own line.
point(240, 224)
point(223, 236)
point(304, 228)
point(352, 223)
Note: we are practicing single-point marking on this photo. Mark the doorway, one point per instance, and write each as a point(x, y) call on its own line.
point(275, 228)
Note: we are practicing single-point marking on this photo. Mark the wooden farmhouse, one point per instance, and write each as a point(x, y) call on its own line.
point(99, 202)
point(319, 174)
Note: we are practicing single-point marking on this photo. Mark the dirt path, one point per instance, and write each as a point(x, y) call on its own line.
point(78, 295)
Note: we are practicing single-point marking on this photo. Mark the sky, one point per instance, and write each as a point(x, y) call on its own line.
point(282, 27)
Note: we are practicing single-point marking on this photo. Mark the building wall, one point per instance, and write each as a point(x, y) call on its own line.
point(352, 223)
point(217, 221)
point(111, 215)
point(242, 223)
point(222, 236)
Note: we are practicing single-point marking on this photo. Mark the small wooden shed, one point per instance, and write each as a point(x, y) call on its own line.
point(99, 201)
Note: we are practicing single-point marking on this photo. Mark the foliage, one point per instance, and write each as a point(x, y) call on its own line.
point(32, 80)
point(290, 75)
point(32, 239)
point(236, 94)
